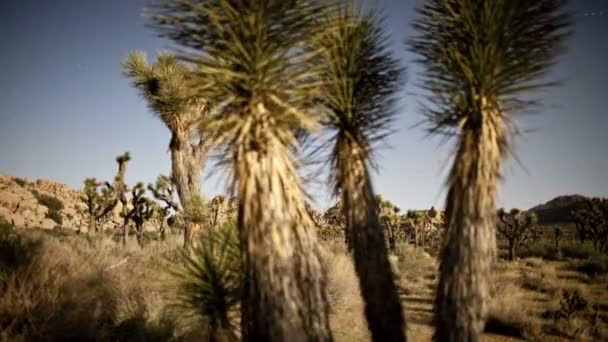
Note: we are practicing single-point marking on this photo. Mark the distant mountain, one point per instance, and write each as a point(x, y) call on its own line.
point(558, 209)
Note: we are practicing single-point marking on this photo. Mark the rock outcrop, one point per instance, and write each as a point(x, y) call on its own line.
point(24, 203)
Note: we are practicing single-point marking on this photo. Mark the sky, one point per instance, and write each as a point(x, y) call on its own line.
point(66, 110)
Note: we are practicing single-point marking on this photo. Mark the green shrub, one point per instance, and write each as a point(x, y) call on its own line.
point(597, 266)
point(55, 216)
point(579, 251)
point(20, 181)
point(51, 202)
point(207, 284)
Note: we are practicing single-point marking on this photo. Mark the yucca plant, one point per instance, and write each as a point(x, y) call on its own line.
point(167, 86)
point(482, 60)
point(360, 80)
point(207, 284)
point(253, 62)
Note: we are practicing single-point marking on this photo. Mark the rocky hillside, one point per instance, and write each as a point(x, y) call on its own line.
point(558, 209)
point(42, 203)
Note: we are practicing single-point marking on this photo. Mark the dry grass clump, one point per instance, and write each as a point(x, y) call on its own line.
point(509, 312)
point(539, 281)
point(66, 289)
point(596, 268)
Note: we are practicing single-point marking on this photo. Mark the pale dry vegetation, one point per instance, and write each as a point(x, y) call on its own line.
point(57, 285)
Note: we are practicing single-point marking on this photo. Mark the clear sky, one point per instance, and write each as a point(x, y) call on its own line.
point(66, 110)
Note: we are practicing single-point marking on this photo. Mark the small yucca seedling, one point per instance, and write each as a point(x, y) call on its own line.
point(207, 284)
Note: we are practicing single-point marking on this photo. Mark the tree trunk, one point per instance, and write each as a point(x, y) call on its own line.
point(140, 235)
point(391, 238)
point(186, 169)
point(383, 310)
point(285, 298)
point(511, 250)
point(470, 245)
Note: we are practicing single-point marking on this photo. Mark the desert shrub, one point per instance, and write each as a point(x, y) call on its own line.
point(64, 290)
point(208, 283)
point(5, 227)
point(505, 315)
point(539, 282)
point(15, 251)
point(51, 202)
point(538, 250)
point(594, 267)
point(55, 216)
point(579, 251)
point(20, 181)
point(329, 232)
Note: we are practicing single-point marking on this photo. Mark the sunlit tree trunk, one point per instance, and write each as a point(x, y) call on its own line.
point(285, 297)
point(383, 309)
point(186, 165)
point(470, 245)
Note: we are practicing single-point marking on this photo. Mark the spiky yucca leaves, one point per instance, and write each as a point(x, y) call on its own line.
point(254, 64)
point(167, 86)
point(481, 57)
point(208, 284)
point(361, 79)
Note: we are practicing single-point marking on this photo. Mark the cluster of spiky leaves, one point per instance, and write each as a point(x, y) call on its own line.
point(360, 79)
point(251, 55)
point(474, 49)
point(208, 284)
point(166, 85)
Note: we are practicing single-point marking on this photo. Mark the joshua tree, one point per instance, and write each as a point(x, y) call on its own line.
point(516, 227)
point(360, 80)
point(482, 58)
point(419, 221)
point(389, 217)
point(166, 85)
point(557, 235)
point(162, 190)
point(98, 204)
point(254, 64)
point(120, 189)
point(142, 209)
point(593, 220)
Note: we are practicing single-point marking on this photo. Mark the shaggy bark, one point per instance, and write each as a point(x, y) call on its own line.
point(187, 161)
point(470, 244)
point(285, 297)
point(383, 310)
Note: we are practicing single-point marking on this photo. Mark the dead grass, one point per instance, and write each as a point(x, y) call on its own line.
point(59, 286)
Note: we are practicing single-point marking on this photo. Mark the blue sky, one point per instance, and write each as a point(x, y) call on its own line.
point(66, 110)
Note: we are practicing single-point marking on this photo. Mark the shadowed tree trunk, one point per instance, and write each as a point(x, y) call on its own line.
point(511, 250)
point(470, 245)
point(285, 297)
point(382, 305)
